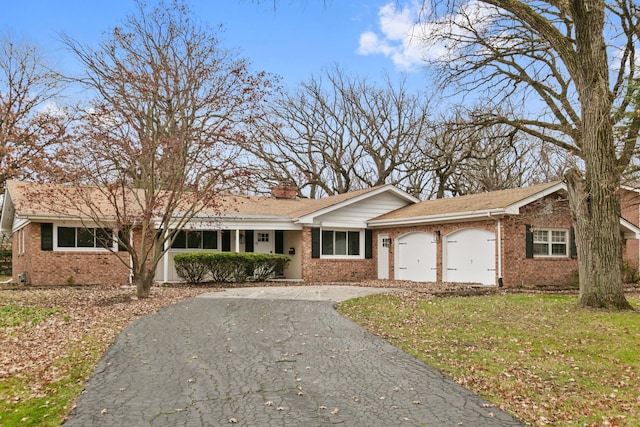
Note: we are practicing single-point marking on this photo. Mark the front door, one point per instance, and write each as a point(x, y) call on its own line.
point(263, 242)
point(384, 242)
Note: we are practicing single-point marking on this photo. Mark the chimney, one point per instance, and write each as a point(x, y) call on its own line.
point(284, 191)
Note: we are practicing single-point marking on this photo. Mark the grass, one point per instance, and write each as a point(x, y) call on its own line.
point(538, 357)
point(55, 401)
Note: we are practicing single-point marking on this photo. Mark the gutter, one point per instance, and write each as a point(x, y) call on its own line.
point(442, 218)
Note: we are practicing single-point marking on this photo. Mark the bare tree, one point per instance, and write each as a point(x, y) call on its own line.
point(573, 63)
point(158, 139)
point(32, 124)
point(336, 134)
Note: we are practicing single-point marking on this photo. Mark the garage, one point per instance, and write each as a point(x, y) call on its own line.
point(416, 257)
point(469, 256)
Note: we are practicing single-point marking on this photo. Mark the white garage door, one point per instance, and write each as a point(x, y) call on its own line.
point(416, 257)
point(469, 256)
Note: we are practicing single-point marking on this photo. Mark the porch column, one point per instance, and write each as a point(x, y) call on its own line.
point(165, 261)
point(237, 240)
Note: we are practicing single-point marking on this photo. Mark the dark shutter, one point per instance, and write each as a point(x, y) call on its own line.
point(368, 244)
point(226, 240)
point(46, 236)
point(529, 241)
point(572, 240)
point(248, 241)
point(122, 238)
point(315, 243)
point(279, 236)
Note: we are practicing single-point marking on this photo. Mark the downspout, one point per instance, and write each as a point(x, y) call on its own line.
point(500, 284)
point(131, 257)
point(499, 237)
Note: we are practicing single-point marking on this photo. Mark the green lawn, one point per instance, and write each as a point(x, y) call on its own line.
point(536, 356)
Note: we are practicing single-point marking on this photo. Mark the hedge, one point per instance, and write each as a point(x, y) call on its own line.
point(195, 267)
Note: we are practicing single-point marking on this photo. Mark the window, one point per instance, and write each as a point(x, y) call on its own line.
point(84, 238)
point(550, 243)
point(345, 243)
point(263, 237)
point(195, 239)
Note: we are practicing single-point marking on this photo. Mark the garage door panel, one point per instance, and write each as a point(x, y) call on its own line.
point(469, 256)
point(416, 257)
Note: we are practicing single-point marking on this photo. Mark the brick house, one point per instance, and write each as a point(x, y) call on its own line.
point(327, 239)
point(516, 237)
point(512, 237)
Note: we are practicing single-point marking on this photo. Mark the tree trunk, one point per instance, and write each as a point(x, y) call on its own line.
point(143, 283)
point(594, 200)
point(596, 218)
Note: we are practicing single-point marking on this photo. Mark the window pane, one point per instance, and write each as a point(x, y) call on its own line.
point(194, 239)
point(263, 237)
point(85, 237)
point(327, 242)
point(66, 237)
point(540, 236)
point(209, 240)
point(341, 243)
point(559, 249)
point(104, 238)
point(558, 236)
point(354, 243)
point(180, 241)
point(540, 249)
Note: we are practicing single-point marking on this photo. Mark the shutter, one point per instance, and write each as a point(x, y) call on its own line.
point(572, 241)
point(46, 236)
point(248, 240)
point(279, 236)
point(529, 241)
point(315, 243)
point(368, 244)
point(226, 240)
point(122, 238)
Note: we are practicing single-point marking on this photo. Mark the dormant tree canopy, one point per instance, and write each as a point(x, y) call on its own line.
point(168, 106)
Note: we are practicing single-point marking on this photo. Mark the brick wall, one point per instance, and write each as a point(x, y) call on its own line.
point(629, 204)
point(65, 267)
point(517, 269)
point(334, 270)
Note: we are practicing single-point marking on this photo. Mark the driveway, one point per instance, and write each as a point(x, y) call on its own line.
point(269, 357)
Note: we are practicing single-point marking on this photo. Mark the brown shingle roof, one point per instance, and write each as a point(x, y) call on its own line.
point(45, 199)
point(471, 203)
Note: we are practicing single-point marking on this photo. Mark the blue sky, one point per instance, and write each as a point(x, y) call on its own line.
point(300, 38)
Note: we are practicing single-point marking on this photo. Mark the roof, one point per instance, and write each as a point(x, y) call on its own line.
point(468, 207)
point(47, 201)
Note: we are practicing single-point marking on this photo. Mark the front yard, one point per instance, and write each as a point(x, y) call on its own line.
point(536, 356)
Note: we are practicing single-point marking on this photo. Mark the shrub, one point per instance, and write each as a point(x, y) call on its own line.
point(192, 266)
point(228, 266)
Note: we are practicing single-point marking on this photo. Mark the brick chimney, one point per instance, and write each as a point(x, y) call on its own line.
point(284, 191)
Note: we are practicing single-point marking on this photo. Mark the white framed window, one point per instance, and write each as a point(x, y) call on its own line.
point(341, 244)
point(550, 243)
point(195, 239)
point(67, 238)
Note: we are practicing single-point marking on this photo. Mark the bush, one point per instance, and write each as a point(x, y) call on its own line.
point(192, 266)
point(228, 266)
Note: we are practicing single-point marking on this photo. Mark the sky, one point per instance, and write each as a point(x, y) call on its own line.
point(296, 40)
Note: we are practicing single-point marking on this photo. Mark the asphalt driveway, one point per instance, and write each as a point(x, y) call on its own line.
point(268, 357)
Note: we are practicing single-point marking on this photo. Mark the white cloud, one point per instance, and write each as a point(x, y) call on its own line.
point(398, 36)
point(402, 32)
